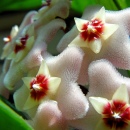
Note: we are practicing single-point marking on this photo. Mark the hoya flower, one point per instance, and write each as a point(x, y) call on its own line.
point(104, 81)
point(31, 41)
point(115, 48)
point(34, 57)
point(16, 33)
point(7, 41)
point(40, 88)
point(23, 44)
point(115, 113)
point(71, 101)
point(93, 33)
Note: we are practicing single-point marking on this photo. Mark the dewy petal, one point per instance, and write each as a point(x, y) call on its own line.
point(109, 29)
point(95, 45)
point(54, 83)
point(78, 41)
point(98, 103)
point(44, 69)
point(100, 15)
point(79, 23)
point(121, 94)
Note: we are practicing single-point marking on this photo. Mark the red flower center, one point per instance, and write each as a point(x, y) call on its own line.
point(116, 115)
point(22, 45)
point(92, 30)
point(39, 87)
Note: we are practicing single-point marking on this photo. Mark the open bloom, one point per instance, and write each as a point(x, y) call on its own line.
point(71, 101)
point(23, 44)
point(115, 113)
point(115, 48)
point(93, 33)
point(33, 57)
point(104, 81)
point(8, 40)
point(40, 88)
point(25, 51)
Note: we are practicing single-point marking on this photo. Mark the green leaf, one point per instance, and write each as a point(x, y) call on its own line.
point(10, 120)
point(7, 5)
point(79, 5)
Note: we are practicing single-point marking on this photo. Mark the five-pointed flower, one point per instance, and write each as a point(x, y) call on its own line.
point(41, 87)
point(93, 33)
point(116, 112)
point(116, 48)
point(23, 43)
point(104, 81)
point(8, 40)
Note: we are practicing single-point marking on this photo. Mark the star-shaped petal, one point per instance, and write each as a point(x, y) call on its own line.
point(115, 112)
point(41, 87)
point(8, 40)
point(76, 103)
point(34, 57)
point(23, 44)
point(93, 33)
point(115, 48)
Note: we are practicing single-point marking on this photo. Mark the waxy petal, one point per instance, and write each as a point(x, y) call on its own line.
point(109, 29)
point(121, 94)
point(30, 103)
point(14, 31)
point(20, 97)
point(78, 42)
point(95, 45)
point(100, 15)
point(54, 83)
point(44, 69)
point(79, 23)
point(27, 81)
point(98, 103)
point(21, 54)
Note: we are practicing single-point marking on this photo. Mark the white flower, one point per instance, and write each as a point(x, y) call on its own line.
point(94, 32)
point(116, 112)
point(39, 88)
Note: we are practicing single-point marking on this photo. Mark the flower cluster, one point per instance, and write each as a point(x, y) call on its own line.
point(49, 89)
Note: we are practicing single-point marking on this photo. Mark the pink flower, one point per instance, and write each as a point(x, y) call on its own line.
point(115, 113)
point(25, 49)
point(115, 48)
point(104, 85)
point(93, 33)
point(34, 57)
point(39, 88)
point(71, 101)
